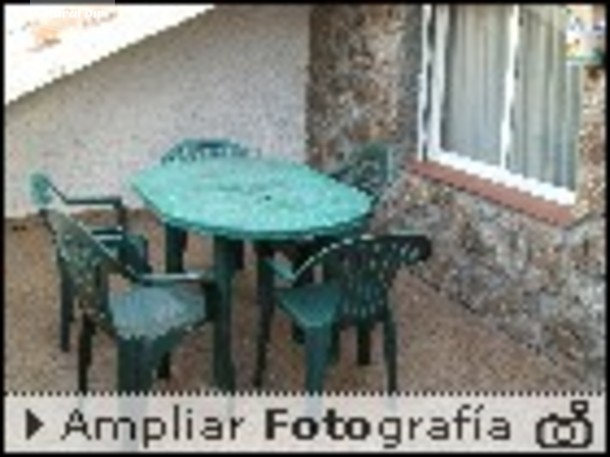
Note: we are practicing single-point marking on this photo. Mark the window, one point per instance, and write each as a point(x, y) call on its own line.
point(498, 97)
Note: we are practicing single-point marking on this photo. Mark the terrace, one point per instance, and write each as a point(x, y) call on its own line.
point(514, 295)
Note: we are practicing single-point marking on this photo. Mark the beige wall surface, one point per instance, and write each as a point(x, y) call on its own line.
point(236, 71)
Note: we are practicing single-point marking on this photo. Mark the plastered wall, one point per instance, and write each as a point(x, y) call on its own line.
point(235, 71)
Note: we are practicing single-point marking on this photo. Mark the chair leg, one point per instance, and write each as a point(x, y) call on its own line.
point(84, 353)
point(127, 376)
point(146, 370)
point(135, 371)
point(389, 349)
point(263, 338)
point(66, 311)
point(335, 344)
point(301, 255)
point(317, 346)
point(165, 370)
point(364, 343)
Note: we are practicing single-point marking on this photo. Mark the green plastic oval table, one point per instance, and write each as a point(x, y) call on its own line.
point(248, 199)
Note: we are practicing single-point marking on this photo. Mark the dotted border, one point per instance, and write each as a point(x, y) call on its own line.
point(283, 393)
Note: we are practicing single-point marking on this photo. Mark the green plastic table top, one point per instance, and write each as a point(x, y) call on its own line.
point(251, 198)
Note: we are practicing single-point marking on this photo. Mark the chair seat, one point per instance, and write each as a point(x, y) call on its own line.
point(312, 305)
point(155, 311)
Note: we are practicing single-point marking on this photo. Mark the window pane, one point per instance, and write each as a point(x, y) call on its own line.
point(476, 64)
point(547, 104)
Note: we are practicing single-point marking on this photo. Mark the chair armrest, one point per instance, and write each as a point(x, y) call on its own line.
point(170, 279)
point(112, 200)
point(109, 200)
point(281, 269)
point(111, 238)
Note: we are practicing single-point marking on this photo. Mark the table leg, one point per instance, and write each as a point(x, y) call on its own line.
point(175, 244)
point(264, 290)
point(239, 252)
point(224, 268)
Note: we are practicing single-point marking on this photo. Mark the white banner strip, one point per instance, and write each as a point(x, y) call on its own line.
point(273, 423)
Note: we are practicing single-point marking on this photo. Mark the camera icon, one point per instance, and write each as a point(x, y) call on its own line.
point(576, 431)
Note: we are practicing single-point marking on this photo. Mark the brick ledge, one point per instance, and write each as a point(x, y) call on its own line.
point(516, 200)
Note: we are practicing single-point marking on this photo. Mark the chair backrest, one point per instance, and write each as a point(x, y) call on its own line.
point(44, 194)
point(86, 261)
point(365, 269)
point(43, 191)
point(192, 150)
point(367, 169)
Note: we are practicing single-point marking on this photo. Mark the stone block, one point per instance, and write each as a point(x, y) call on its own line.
point(481, 209)
point(587, 255)
point(524, 329)
point(478, 285)
point(568, 338)
point(595, 369)
point(386, 19)
point(442, 196)
point(471, 241)
point(504, 302)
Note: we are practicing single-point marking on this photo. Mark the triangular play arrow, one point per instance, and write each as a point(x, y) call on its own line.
point(32, 424)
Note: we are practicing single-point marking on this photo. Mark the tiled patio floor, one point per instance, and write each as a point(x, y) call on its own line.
point(441, 345)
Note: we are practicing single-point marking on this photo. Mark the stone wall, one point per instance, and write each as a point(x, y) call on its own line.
point(544, 285)
point(591, 178)
point(363, 78)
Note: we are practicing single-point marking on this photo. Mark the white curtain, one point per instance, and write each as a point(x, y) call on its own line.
point(476, 62)
point(547, 103)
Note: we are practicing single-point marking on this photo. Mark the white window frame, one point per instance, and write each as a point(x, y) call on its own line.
point(430, 113)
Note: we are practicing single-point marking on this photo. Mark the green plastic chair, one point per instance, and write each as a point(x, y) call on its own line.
point(132, 248)
point(193, 150)
point(357, 275)
point(147, 320)
point(367, 169)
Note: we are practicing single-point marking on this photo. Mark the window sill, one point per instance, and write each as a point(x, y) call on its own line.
point(516, 200)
